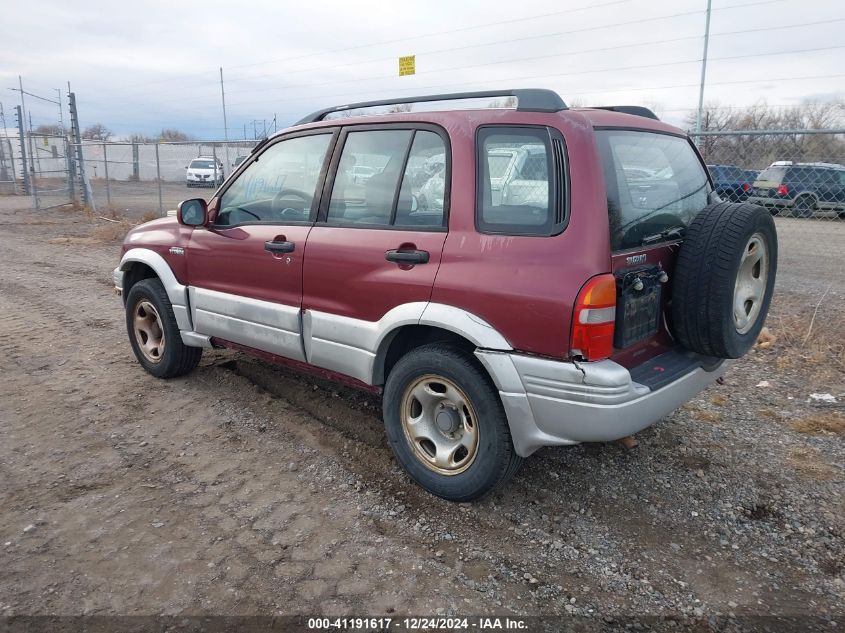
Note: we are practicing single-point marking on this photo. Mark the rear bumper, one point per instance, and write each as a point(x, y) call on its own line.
point(553, 403)
point(771, 203)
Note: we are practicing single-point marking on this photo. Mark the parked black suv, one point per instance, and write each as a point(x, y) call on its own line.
point(801, 188)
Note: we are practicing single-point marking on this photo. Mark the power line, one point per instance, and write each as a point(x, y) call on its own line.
point(532, 38)
point(556, 75)
point(532, 58)
point(398, 40)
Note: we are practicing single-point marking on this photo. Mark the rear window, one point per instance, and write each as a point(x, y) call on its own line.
point(772, 174)
point(655, 183)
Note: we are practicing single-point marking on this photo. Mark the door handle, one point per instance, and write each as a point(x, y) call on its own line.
point(279, 247)
point(407, 257)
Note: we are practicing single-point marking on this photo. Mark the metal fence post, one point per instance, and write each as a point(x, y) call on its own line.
point(71, 171)
point(158, 180)
point(106, 169)
point(214, 155)
point(87, 199)
point(22, 141)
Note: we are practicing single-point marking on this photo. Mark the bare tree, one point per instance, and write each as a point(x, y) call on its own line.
point(97, 132)
point(137, 137)
point(48, 130)
point(174, 136)
point(755, 151)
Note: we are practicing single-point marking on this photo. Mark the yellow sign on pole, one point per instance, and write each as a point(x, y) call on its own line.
point(407, 65)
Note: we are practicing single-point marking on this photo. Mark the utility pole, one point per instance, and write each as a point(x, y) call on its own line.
point(225, 125)
point(703, 75)
point(29, 142)
point(61, 114)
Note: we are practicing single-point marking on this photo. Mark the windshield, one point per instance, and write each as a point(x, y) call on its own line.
point(202, 164)
point(655, 182)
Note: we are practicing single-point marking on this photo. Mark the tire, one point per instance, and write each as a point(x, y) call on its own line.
point(148, 314)
point(804, 207)
point(716, 271)
point(841, 215)
point(493, 459)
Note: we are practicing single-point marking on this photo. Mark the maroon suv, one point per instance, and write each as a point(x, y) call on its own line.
point(506, 278)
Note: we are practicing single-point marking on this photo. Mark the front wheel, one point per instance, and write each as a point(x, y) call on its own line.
point(446, 424)
point(154, 334)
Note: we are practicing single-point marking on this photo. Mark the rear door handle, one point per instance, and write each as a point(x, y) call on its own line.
point(407, 257)
point(279, 247)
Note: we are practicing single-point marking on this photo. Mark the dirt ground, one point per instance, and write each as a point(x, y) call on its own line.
point(247, 489)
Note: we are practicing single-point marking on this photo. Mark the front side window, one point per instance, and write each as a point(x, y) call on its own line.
point(390, 178)
point(655, 184)
point(516, 182)
point(279, 185)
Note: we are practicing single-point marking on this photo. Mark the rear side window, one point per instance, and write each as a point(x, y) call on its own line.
point(655, 184)
point(519, 181)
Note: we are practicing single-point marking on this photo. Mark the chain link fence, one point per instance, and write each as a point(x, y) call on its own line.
point(799, 176)
point(136, 179)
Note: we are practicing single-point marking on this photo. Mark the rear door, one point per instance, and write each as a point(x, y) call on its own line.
point(245, 270)
point(656, 185)
point(377, 244)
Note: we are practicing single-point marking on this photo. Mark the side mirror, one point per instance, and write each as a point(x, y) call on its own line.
point(193, 212)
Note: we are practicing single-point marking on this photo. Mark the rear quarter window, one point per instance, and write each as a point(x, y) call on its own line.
point(521, 181)
point(655, 183)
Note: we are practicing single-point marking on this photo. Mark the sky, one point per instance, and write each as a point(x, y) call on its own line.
point(146, 65)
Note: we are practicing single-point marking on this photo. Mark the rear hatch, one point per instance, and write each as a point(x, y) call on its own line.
point(656, 185)
point(768, 183)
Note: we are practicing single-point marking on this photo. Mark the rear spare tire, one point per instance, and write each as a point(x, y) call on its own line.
point(724, 278)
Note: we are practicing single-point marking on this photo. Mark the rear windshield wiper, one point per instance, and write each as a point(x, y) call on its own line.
point(674, 233)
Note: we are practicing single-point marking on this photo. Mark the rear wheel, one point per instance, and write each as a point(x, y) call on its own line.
point(154, 334)
point(446, 424)
point(804, 207)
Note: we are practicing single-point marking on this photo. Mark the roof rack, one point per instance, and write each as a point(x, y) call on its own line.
point(635, 110)
point(528, 100)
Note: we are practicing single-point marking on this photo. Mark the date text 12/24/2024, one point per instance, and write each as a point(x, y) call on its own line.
point(416, 624)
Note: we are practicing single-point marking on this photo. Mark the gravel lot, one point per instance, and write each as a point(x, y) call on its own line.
point(246, 489)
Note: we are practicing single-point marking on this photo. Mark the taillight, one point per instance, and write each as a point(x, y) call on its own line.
point(593, 319)
point(783, 190)
point(745, 187)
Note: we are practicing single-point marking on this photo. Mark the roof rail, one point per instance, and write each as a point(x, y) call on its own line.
point(635, 110)
point(528, 100)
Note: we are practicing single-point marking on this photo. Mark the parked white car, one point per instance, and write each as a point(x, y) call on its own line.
point(204, 171)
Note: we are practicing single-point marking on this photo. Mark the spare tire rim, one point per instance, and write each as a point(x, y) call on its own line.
point(149, 333)
point(751, 281)
point(440, 424)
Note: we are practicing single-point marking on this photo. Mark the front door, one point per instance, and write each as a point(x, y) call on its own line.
point(378, 241)
point(245, 269)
